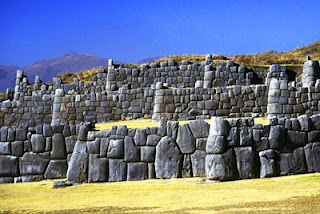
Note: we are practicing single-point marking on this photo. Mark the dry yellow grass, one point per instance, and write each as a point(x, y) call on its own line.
point(299, 194)
point(143, 123)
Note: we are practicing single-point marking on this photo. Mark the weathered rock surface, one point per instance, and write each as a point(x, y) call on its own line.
point(98, 169)
point(185, 140)
point(56, 169)
point(78, 164)
point(137, 171)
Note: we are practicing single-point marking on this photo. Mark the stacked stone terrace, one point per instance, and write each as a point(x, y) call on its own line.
point(45, 131)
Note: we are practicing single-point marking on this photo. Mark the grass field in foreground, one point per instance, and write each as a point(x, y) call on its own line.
point(143, 123)
point(299, 194)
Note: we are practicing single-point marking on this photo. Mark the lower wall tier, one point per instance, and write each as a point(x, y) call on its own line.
point(226, 150)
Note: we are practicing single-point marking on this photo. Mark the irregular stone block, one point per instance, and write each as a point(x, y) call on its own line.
point(104, 144)
point(117, 170)
point(245, 136)
point(314, 136)
point(198, 163)
point(201, 144)
point(9, 166)
point(33, 163)
point(268, 163)
point(56, 169)
point(47, 131)
point(168, 159)
point(70, 143)
point(78, 165)
point(4, 134)
point(299, 161)
point(219, 126)
point(131, 151)
point(312, 152)
point(98, 168)
point(151, 171)
point(21, 133)
point(83, 132)
point(38, 143)
point(296, 138)
point(140, 138)
point(58, 147)
point(305, 122)
point(148, 153)
point(5, 148)
point(115, 149)
point(199, 128)
point(286, 163)
point(221, 166)
point(17, 148)
point(172, 129)
point(94, 146)
point(233, 137)
point(185, 140)
point(246, 162)
point(152, 140)
point(215, 144)
point(186, 167)
point(137, 171)
point(276, 137)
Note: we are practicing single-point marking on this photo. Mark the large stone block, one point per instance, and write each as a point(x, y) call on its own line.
point(246, 162)
point(5, 148)
point(21, 133)
point(215, 144)
point(186, 171)
point(131, 151)
point(140, 138)
point(296, 138)
point(245, 136)
point(152, 140)
point(168, 159)
point(299, 161)
point(305, 122)
point(148, 153)
point(268, 166)
point(198, 163)
point(312, 152)
point(172, 129)
point(219, 126)
point(56, 169)
point(185, 140)
point(233, 138)
point(199, 128)
point(78, 165)
point(98, 168)
point(115, 149)
point(9, 166)
point(38, 143)
point(276, 137)
point(137, 171)
point(221, 166)
point(33, 163)
point(58, 147)
point(17, 148)
point(117, 170)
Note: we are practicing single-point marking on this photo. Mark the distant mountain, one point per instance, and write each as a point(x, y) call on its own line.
point(149, 59)
point(49, 68)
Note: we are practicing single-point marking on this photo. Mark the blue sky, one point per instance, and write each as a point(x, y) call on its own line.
point(32, 30)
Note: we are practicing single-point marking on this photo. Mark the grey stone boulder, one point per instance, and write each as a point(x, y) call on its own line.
point(246, 162)
point(98, 169)
point(151, 171)
point(296, 138)
point(11, 134)
point(172, 129)
point(148, 153)
point(104, 144)
point(198, 163)
point(314, 136)
point(70, 143)
point(221, 166)
point(168, 159)
point(312, 152)
point(268, 162)
point(122, 131)
point(5, 148)
point(140, 138)
point(33, 163)
point(152, 140)
point(276, 137)
point(38, 143)
point(233, 139)
point(299, 161)
point(17, 148)
point(305, 122)
point(58, 147)
point(9, 166)
point(137, 171)
point(3, 134)
point(245, 136)
point(286, 163)
point(21, 133)
point(117, 170)
point(219, 126)
point(199, 128)
point(78, 165)
point(131, 151)
point(94, 146)
point(185, 140)
point(83, 132)
point(47, 131)
point(215, 144)
point(56, 169)
point(115, 149)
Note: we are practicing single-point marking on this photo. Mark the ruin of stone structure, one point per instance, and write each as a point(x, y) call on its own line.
point(47, 131)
